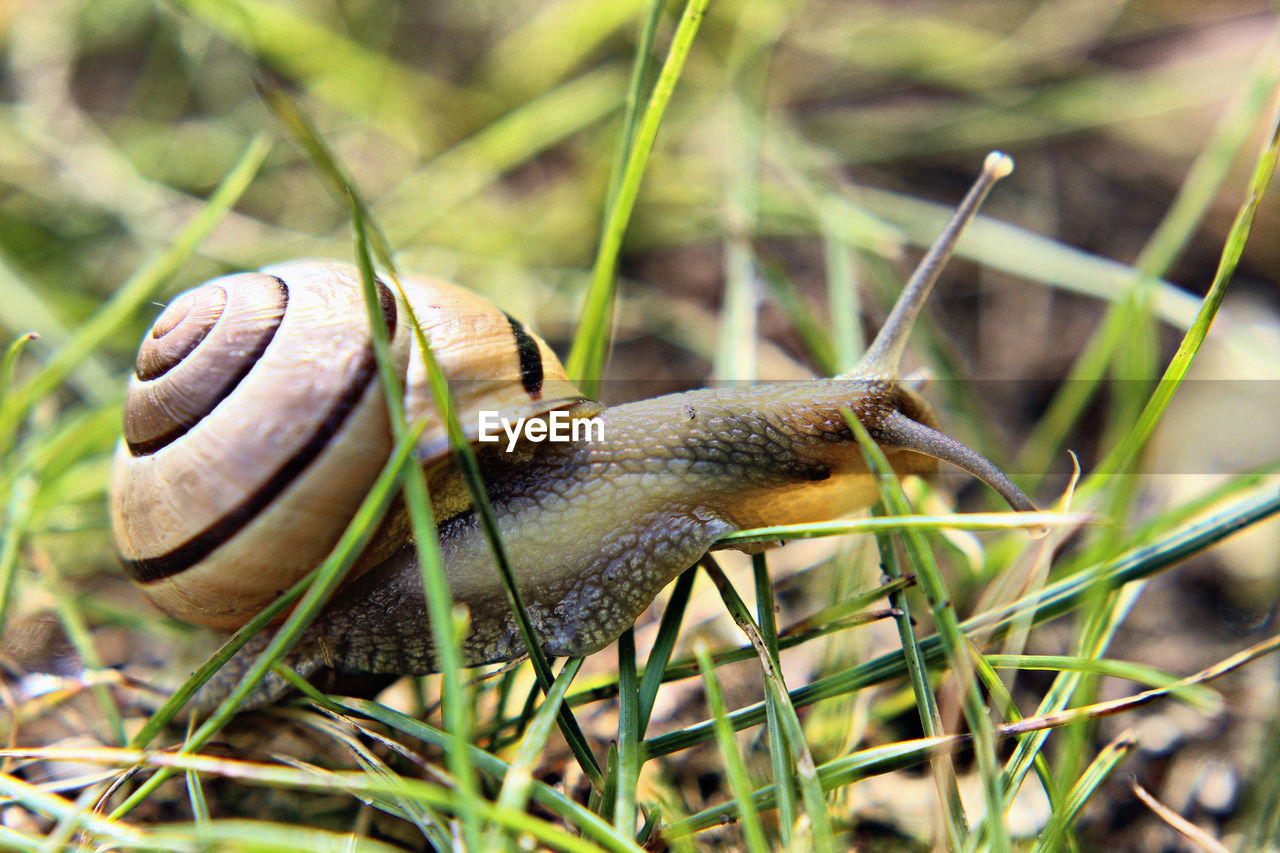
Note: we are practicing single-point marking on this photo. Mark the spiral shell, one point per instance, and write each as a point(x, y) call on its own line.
point(255, 424)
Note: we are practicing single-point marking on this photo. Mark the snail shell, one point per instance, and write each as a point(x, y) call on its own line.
point(255, 425)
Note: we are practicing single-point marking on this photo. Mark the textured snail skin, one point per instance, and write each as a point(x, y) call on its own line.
point(596, 530)
point(227, 489)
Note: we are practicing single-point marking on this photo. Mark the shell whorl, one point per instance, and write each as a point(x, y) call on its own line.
point(255, 424)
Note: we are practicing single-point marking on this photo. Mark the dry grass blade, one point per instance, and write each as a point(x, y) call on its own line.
point(1128, 703)
point(1184, 827)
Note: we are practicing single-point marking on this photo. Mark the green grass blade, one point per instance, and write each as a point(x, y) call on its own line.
point(735, 767)
point(801, 757)
point(921, 560)
point(660, 655)
point(340, 183)
point(341, 782)
point(642, 66)
point(1097, 773)
point(13, 530)
point(1054, 600)
point(435, 584)
point(590, 346)
point(1201, 698)
point(889, 524)
point(518, 780)
point(624, 810)
point(1190, 345)
point(142, 286)
point(10, 361)
point(544, 795)
point(369, 244)
point(23, 306)
point(916, 667)
point(779, 747)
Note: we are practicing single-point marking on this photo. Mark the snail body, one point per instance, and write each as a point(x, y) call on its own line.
point(594, 528)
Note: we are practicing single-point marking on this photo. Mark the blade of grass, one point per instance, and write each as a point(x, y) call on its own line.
point(735, 767)
point(178, 701)
point(260, 836)
point(842, 291)
point(1098, 772)
point(141, 286)
point(435, 585)
point(1127, 449)
point(605, 800)
point(59, 808)
point(810, 629)
point(1202, 699)
point(624, 810)
point(1002, 699)
point(801, 757)
point(779, 747)
point(660, 655)
point(10, 362)
point(801, 318)
point(344, 782)
point(363, 743)
point(17, 519)
point(918, 675)
point(590, 345)
point(24, 306)
point(371, 243)
point(888, 524)
point(897, 756)
point(748, 63)
point(642, 65)
point(953, 641)
point(1061, 597)
point(68, 824)
point(464, 458)
point(518, 780)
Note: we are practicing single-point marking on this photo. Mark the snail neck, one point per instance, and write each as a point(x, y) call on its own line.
point(764, 454)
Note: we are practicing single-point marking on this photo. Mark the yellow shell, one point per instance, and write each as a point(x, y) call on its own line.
point(255, 424)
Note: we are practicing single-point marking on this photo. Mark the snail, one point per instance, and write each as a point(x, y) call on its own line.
point(255, 424)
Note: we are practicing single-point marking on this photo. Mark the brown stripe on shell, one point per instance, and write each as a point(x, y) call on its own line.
point(151, 569)
point(531, 372)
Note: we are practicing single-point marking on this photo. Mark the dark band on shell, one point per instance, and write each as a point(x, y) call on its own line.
point(531, 372)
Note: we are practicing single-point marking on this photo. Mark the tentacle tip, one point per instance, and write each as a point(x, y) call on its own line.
point(998, 164)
